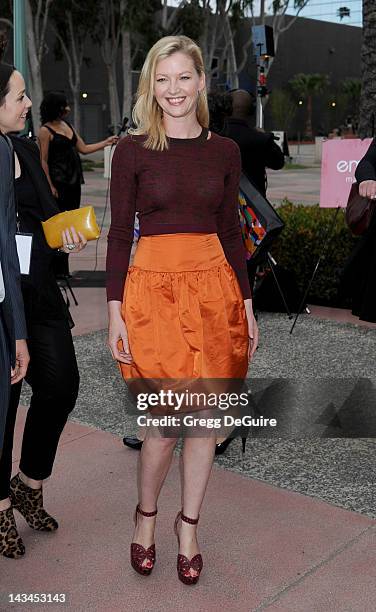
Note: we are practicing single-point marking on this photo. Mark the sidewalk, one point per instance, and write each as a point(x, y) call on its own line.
point(265, 547)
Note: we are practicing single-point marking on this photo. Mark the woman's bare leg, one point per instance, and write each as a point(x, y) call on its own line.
point(197, 460)
point(154, 463)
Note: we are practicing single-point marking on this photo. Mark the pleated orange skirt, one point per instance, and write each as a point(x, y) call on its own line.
point(184, 310)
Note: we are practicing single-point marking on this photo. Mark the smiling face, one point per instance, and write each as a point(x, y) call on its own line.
point(13, 111)
point(177, 85)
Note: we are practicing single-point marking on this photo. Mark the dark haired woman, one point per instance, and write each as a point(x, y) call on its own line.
point(60, 146)
point(220, 107)
point(53, 373)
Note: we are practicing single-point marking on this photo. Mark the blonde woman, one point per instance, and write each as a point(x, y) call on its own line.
point(184, 309)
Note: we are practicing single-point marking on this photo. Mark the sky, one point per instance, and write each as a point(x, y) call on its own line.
point(327, 10)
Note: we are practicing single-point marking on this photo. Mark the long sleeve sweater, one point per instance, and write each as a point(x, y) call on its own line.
point(191, 187)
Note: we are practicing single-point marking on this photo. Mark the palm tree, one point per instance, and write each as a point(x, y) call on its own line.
point(306, 86)
point(368, 71)
point(283, 107)
point(352, 90)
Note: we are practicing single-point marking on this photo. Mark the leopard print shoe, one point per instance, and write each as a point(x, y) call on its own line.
point(29, 502)
point(11, 544)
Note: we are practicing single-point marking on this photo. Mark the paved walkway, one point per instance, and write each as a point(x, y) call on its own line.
point(298, 186)
point(265, 548)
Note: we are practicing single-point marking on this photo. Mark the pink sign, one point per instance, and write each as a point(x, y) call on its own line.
point(339, 161)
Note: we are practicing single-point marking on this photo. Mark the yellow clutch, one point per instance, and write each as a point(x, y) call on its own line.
point(82, 219)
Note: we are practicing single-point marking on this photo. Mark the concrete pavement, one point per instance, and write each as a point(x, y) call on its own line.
point(264, 548)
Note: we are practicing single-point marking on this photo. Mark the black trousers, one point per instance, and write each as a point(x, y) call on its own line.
point(54, 379)
point(4, 378)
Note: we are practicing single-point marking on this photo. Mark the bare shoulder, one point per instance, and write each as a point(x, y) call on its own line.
point(44, 133)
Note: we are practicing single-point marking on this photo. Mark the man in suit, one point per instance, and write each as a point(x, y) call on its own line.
point(14, 356)
point(258, 149)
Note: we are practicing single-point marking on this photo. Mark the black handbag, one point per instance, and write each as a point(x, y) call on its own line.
point(259, 222)
point(359, 211)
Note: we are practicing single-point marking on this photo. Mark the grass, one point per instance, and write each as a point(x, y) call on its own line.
point(292, 166)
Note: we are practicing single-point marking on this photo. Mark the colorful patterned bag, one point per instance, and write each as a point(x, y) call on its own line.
point(260, 224)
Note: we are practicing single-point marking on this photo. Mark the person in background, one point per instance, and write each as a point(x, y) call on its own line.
point(220, 108)
point(60, 146)
point(53, 372)
point(359, 275)
point(258, 149)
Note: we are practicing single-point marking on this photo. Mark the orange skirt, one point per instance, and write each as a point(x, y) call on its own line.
point(184, 310)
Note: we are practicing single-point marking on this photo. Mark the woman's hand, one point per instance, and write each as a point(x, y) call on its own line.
point(111, 140)
point(117, 334)
point(253, 333)
point(54, 191)
point(22, 362)
point(73, 242)
point(367, 189)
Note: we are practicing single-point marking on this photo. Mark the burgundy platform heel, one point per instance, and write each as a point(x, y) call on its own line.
point(139, 553)
point(184, 565)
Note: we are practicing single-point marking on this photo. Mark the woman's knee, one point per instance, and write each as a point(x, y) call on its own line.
point(159, 444)
point(67, 389)
point(61, 390)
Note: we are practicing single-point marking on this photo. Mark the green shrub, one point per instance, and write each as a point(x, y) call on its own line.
point(87, 165)
point(301, 243)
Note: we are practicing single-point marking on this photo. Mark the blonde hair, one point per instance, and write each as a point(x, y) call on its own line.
point(147, 114)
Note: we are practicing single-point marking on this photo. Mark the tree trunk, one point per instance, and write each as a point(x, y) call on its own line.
point(309, 132)
point(208, 43)
point(76, 108)
point(74, 60)
point(75, 64)
point(232, 76)
point(114, 98)
point(127, 73)
point(36, 91)
point(368, 71)
point(35, 76)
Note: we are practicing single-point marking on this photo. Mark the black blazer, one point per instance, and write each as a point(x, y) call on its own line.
point(366, 170)
point(29, 156)
point(12, 306)
point(258, 150)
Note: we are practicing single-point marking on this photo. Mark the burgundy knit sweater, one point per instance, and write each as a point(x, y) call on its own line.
point(192, 187)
